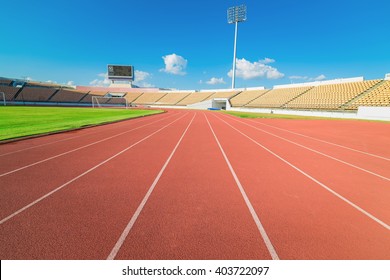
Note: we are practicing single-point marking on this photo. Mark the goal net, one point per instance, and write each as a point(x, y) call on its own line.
point(109, 102)
point(2, 99)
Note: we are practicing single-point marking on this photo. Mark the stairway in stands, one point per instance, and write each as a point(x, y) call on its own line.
point(364, 93)
point(285, 105)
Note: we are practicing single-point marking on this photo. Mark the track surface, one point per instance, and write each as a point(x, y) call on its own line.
point(199, 185)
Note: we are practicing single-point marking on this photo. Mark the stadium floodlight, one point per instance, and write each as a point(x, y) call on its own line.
point(235, 15)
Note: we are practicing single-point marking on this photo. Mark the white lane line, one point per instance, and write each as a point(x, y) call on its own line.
point(84, 173)
point(317, 152)
point(77, 149)
point(323, 141)
point(260, 227)
point(386, 226)
point(63, 140)
point(135, 216)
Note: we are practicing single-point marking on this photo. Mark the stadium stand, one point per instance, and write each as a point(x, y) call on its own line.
point(88, 97)
point(172, 98)
point(5, 81)
point(35, 94)
point(116, 100)
point(246, 96)
point(45, 84)
point(278, 97)
point(9, 92)
point(149, 98)
point(339, 94)
point(68, 96)
point(332, 96)
point(97, 93)
point(131, 96)
point(195, 97)
point(377, 97)
point(224, 94)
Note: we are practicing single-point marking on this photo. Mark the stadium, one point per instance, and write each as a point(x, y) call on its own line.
point(350, 98)
point(293, 171)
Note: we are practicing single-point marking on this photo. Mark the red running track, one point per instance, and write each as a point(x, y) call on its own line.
point(199, 185)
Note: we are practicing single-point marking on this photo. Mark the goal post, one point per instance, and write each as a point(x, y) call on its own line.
point(109, 102)
point(2, 99)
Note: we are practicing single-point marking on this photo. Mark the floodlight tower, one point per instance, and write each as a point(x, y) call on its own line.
point(235, 15)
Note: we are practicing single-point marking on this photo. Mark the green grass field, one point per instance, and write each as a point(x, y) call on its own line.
point(26, 121)
point(272, 116)
point(289, 117)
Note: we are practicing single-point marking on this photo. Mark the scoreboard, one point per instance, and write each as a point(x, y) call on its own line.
point(120, 72)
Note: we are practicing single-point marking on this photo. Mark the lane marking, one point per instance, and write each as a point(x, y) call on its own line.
point(386, 226)
point(318, 152)
point(135, 216)
point(63, 140)
point(323, 141)
point(84, 173)
point(79, 148)
point(256, 219)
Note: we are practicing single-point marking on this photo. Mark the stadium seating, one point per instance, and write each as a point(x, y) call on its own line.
point(65, 95)
point(131, 96)
point(224, 94)
point(149, 98)
point(330, 97)
point(5, 82)
point(246, 96)
point(276, 98)
point(35, 94)
point(116, 100)
point(9, 92)
point(195, 97)
point(172, 98)
point(88, 97)
point(379, 96)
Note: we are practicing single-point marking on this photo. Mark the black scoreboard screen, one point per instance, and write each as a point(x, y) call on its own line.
point(120, 72)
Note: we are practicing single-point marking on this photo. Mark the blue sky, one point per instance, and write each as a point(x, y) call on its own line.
point(189, 45)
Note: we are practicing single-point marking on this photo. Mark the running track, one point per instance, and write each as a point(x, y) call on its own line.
point(199, 185)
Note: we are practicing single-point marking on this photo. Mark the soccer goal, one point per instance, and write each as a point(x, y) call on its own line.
point(109, 102)
point(2, 98)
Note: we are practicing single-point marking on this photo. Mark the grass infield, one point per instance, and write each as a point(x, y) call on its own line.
point(23, 121)
point(273, 116)
point(290, 117)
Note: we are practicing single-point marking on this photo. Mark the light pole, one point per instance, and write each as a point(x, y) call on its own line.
point(235, 15)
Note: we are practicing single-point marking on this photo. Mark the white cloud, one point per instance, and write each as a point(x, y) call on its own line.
point(298, 77)
point(267, 60)
point(307, 78)
point(320, 78)
point(141, 77)
point(174, 64)
point(146, 85)
point(101, 82)
point(70, 83)
point(258, 69)
point(215, 81)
